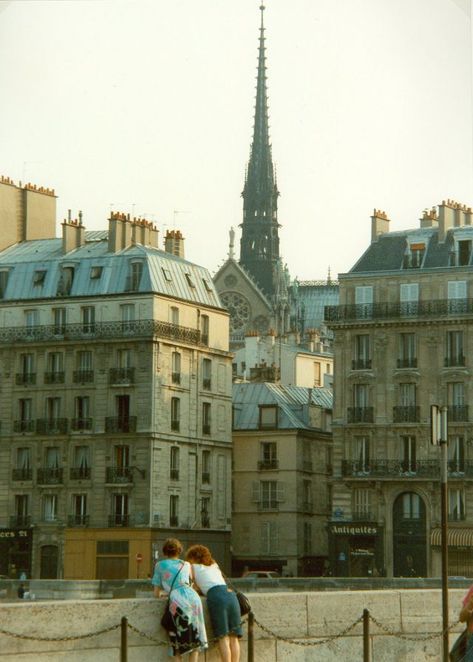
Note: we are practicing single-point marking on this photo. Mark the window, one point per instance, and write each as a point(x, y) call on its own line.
point(454, 349)
point(21, 510)
point(124, 358)
point(59, 321)
point(119, 515)
point(408, 454)
point(25, 415)
point(362, 359)
point(410, 506)
point(122, 405)
point(464, 253)
point(204, 329)
point(457, 289)
point(79, 510)
point(189, 280)
point(361, 455)
point(407, 351)
point(39, 277)
point(50, 507)
point(127, 314)
point(55, 368)
point(31, 321)
point(174, 315)
point(269, 495)
point(268, 417)
point(27, 374)
point(205, 467)
point(174, 510)
point(88, 319)
point(316, 373)
point(166, 274)
point(307, 503)
point(23, 464)
point(407, 411)
point(84, 372)
point(206, 411)
point(268, 455)
point(3, 282)
point(361, 395)
point(364, 300)
point(457, 410)
point(95, 272)
point(307, 538)
point(81, 460)
point(176, 368)
point(205, 512)
point(134, 276)
point(175, 414)
point(456, 454)
point(207, 285)
point(269, 543)
point(174, 463)
point(361, 504)
point(409, 298)
point(361, 412)
point(53, 409)
point(121, 455)
point(414, 256)
point(207, 374)
point(82, 413)
point(456, 504)
point(66, 280)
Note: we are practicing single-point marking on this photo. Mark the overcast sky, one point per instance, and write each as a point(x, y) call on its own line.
point(147, 105)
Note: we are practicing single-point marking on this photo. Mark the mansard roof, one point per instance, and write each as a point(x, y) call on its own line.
point(162, 273)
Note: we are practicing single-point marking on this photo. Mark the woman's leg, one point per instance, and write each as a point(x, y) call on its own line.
point(194, 656)
point(234, 648)
point(224, 649)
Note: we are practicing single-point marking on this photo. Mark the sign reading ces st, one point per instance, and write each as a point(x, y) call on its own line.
point(9, 534)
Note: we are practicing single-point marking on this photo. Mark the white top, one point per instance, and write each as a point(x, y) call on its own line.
point(207, 576)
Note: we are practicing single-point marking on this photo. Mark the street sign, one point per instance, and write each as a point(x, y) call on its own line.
point(139, 557)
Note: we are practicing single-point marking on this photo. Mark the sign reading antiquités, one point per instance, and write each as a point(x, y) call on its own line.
point(354, 529)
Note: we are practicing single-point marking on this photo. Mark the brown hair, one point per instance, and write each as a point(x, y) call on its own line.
point(172, 547)
point(199, 554)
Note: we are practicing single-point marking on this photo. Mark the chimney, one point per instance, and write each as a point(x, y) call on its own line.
point(174, 243)
point(73, 233)
point(119, 232)
point(446, 218)
point(429, 218)
point(144, 233)
point(379, 224)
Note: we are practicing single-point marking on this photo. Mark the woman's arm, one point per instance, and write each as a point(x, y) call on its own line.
point(157, 591)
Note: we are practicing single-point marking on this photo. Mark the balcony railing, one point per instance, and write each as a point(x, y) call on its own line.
point(433, 308)
point(50, 476)
point(267, 465)
point(20, 520)
point(205, 521)
point(22, 474)
point(361, 364)
point(78, 520)
point(78, 424)
point(410, 362)
point(206, 383)
point(24, 426)
point(122, 375)
point(54, 377)
point(307, 465)
point(457, 413)
point(176, 377)
point(205, 477)
point(104, 331)
point(405, 469)
point(79, 473)
point(25, 378)
point(83, 376)
point(406, 414)
point(268, 505)
point(456, 361)
point(174, 474)
point(118, 520)
point(118, 475)
point(360, 414)
point(175, 425)
point(120, 424)
point(51, 425)
point(206, 428)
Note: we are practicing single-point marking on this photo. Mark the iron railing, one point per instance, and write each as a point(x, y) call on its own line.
point(118, 475)
point(51, 425)
point(25, 378)
point(22, 474)
point(122, 375)
point(457, 413)
point(410, 362)
point(174, 474)
point(83, 376)
point(78, 424)
point(54, 377)
point(405, 469)
point(20, 520)
point(118, 520)
point(361, 364)
point(406, 414)
point(267, 465)
point(120, 424)
point(79, 473)
point(176, 377)
point(24, 426)
point(433, 308)
point(360, 414)
point(78, 520)
point(50, 476)
point(206, 383)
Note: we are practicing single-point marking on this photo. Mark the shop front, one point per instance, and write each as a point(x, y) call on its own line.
point(356, 549)
point(15, 552)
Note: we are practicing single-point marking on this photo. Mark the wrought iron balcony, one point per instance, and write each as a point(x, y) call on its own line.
point(174, 474)
point(104, 331)
point(205, 521)
point(83, 376)
point(268, 505)
point(307, 465)
point(360, 414)
point(176, 377)
point(79, 473)
point(24, 426)
point(54, 377)
point(267, 465)
point(78, 520)
point(80, 424)
point(22, 474)
point(434, 308)
point(406, 414)
point(206, 383)
point(118, 475)
point(405, 469)
point(206, 428)
point(25, 378)
point(20, 520)
point(118, 520)
point(410, 362)
point(122, 375)
point(457, 413)
point(205, 477)
point(361, 364)
point(456, 361)
point(50, 476)
point(175, 425)
point(120, 424)
point(51, 425)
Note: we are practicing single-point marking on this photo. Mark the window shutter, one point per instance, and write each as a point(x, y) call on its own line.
point(280, 492)
point(256, 492)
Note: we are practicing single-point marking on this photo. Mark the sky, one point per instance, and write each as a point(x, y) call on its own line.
point(146, 107)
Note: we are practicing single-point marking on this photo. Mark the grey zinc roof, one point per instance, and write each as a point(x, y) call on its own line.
point(292, 404)
point(315, 298)
point(24, 259)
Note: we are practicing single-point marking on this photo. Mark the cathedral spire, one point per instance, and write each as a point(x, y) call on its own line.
point(259, 249)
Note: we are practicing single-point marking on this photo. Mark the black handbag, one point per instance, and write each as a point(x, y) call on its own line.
point(458, 651)
point(167, 620)
point(244, 603)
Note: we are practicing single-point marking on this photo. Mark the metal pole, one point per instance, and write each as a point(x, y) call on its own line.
point(366, 635)
point(124, 640)
point(444, 523)
point(251, 637)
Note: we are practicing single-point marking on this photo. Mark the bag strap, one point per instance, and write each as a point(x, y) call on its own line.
point(175, 577)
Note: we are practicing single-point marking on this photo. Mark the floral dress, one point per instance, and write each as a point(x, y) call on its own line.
point(185, 606)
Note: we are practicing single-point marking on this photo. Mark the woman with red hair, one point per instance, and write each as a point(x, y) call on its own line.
point(222, 602)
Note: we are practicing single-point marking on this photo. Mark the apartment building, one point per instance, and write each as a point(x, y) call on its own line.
point(403, 341)
point(281, 463)
point(115, 399)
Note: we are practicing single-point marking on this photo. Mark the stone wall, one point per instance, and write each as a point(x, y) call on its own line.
point(301, 616)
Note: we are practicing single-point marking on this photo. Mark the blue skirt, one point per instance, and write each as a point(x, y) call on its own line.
point(224, 611)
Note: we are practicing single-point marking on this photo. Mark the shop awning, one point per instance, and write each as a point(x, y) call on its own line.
point(455, 537)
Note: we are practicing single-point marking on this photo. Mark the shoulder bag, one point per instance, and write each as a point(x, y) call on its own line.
point(167, 620)
point(245, 606)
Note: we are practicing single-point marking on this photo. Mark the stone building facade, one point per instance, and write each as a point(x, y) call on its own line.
point(403, 342)
point(115, 402)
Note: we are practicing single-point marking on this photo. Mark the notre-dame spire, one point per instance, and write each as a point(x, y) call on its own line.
point(259, 248)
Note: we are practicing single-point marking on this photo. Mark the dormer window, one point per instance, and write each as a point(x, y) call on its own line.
point(414, 256)
point(166, 274)
point(207, 285)
point(134, 276)
point(65, 281)
point(464, 253)
point(3, 282)
point(268, 417)
point(190, 282)
point(95, 273)
point(39, 277)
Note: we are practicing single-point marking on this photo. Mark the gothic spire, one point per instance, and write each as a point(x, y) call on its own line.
point(259, 241)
